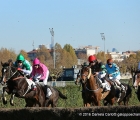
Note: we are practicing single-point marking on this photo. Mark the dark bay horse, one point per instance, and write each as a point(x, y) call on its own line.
point(124, 98)
point(18, 86)
point(29, 95)
point(93, 93)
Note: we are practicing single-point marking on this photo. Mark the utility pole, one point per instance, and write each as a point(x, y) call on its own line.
point(33, 44)
point(52, 45)
point(103, 38)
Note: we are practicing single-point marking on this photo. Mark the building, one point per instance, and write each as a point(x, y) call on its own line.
point(88, 50)
point(32, 54)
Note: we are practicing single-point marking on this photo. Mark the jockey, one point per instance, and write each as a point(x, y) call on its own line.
point(94, 64)
point(23, 65)
point(40, 73)
point(101, 77)
point(114, 73)
point(98, 69)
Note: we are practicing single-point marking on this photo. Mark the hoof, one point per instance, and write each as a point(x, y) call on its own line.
point(12, 104)
point(4, 101)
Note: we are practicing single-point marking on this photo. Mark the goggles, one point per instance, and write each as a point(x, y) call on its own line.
point(19, 61)
point(36, 65)
point(93, 61)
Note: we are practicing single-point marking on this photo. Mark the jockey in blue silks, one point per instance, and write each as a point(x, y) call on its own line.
point(114, 73)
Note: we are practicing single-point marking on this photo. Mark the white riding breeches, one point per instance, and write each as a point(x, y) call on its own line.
point(101, 75)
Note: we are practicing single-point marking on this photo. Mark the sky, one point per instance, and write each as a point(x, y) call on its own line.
point(75, 22)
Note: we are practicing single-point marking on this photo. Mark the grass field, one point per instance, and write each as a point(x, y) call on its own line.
point(73, 93)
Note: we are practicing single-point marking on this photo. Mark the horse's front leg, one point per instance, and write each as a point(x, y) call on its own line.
point(12, 99)
point(4, 99)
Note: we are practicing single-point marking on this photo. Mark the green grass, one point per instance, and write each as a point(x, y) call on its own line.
point(73, 93)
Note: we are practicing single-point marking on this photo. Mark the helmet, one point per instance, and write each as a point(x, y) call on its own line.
point(109, 61)
point(103, 66)
point(91, 58)
point(36, 61)
point(20, 57)
point(85, 64)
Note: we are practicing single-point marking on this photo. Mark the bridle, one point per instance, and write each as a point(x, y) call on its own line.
point(87, 77)
point(11, 74)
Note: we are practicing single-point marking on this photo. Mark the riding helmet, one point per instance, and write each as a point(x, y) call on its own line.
point(91, 58)
point(36, 61)
point(109, 61)
point(20, 57)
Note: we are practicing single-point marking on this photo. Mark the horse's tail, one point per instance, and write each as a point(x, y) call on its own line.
point(61, 95)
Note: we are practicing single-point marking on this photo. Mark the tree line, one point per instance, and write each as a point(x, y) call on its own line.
point(66, 57)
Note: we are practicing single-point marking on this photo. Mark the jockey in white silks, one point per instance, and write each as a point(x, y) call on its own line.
point(101, 76)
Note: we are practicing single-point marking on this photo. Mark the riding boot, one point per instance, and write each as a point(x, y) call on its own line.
point(122, 87)
point(119, 97)
point(48, 92)
point(100, 82)
point(104, 87)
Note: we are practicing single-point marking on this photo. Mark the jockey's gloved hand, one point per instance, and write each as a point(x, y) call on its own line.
point(36, 79)
point(19, 69)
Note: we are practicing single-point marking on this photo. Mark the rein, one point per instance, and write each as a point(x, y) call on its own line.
point(18, 78)
point(87, 78)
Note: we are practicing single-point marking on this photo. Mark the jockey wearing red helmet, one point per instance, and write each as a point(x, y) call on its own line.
point(92, 58)
point(94, 64)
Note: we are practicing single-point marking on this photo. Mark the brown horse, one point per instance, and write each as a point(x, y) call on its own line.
point(93, 93)
point(17, 86)
point(136, 84)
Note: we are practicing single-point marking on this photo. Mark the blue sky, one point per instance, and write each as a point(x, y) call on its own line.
point(75, 22)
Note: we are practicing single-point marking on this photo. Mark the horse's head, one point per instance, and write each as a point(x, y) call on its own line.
point(15, 80)
point(85, 73)
point(136, 80)
point(6, 72)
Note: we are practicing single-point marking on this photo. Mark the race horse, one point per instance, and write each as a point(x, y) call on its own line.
point(17, 86)
point(123, 96)
point(93, 93)
point(136, 83)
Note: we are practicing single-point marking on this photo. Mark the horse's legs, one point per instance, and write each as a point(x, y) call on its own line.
point(88, 104)
point(4, 99)
point(12, 99)
point(112, 101)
